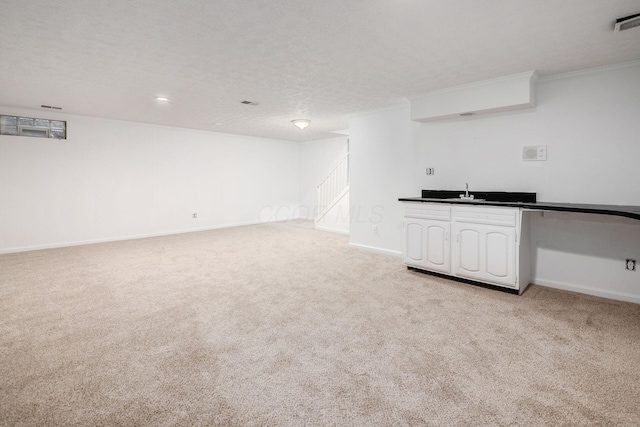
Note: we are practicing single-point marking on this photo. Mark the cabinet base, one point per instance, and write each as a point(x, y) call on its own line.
point(467, 281)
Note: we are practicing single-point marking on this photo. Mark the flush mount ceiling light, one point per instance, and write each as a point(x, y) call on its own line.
point(301, 123)
point(162, 98)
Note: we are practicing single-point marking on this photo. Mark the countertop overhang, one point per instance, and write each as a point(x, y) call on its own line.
point(616, 210)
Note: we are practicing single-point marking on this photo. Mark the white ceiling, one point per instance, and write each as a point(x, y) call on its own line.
point(320, 60)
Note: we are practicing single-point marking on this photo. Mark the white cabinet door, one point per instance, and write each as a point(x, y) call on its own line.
point(486, 253)
point(470, 252)
point(427, 245)
point(438, 246)
point(500, 245)
point(414, 251)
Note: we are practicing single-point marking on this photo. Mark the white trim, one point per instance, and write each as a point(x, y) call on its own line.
point(402, 104)
point(332, 138)
point(620, 296)
point(330, 230)
point(531, 75)
point(396, 254)
point(133, 237)
point(587, 71)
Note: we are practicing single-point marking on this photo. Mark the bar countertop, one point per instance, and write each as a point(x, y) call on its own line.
point(616, 210)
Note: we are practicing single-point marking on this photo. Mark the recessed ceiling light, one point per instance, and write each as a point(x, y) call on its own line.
point(301, 123)
point(162, 98)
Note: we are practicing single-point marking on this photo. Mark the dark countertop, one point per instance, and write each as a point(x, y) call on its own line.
point(617, 210)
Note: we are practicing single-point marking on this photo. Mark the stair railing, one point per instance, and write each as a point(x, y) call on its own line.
point(333, 187)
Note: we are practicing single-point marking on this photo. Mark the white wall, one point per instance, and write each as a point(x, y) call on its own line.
point(114, 179)
point(381, 155)
point(317, 160)
point(586, 253)
point(590, 122)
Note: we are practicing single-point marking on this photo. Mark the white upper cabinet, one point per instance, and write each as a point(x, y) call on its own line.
point(512, 92)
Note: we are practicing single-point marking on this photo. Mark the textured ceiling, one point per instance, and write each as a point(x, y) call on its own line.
point(320, 60)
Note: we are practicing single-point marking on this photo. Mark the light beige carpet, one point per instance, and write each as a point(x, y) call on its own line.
point(282, 325)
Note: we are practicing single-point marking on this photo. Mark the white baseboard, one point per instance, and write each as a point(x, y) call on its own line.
point(132, 237)
point(331, 230)
point(397, 254)
point(619, 296)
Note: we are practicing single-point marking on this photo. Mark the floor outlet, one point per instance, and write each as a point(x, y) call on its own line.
point(631, 264)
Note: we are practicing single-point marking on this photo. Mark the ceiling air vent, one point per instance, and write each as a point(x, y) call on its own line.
point(627, 22)
point(249, 103)
point(51, 107)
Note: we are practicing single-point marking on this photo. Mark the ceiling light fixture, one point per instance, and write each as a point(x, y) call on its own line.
point(301, 123)
point(162, 98)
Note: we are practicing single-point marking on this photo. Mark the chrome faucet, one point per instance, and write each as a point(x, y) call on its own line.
point(466, 195)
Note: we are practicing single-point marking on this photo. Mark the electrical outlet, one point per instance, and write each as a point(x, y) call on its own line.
point(631, 264)
point(430, 171)
point(374, 229)
point(195, 215)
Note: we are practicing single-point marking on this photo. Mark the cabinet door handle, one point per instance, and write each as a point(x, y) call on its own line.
point(446, 236)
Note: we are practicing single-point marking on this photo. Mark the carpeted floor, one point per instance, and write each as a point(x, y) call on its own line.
point(280, 325)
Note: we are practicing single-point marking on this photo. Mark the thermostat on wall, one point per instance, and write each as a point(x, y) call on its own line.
point(534, 152)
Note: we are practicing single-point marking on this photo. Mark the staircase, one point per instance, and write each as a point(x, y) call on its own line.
point(332, 190)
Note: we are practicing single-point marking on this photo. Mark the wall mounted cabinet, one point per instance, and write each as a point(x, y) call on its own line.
point(507, 93)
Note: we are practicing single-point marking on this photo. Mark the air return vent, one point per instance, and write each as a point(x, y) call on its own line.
point(627, 22)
